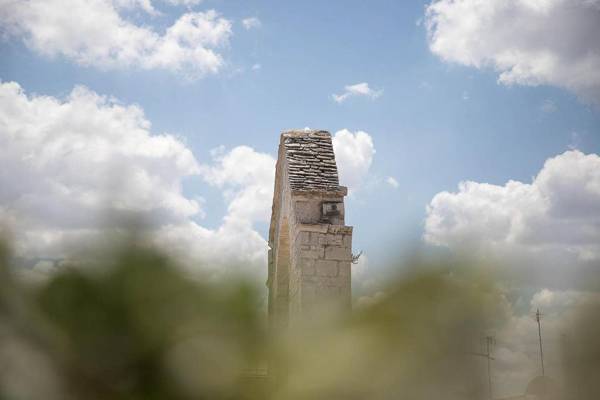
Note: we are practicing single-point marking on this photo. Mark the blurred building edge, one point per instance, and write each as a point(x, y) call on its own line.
point(539, 388)
point(310, 248)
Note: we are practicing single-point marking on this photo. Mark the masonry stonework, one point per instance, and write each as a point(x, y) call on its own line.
point(310, 247)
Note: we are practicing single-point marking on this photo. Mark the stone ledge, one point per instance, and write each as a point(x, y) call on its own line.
point(342, 191)
point(343, 229)
point(323, 228)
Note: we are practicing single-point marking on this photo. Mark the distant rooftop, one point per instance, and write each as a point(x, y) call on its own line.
point(310, 160)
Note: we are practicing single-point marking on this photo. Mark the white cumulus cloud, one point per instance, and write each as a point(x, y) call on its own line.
point(183, 2)
point(95, 33)
point(354, 154)
point(551, 42)
point(247, 178)
point(76, 171)
point(251, 23)
point(555, 217)
point(359, 89)
point(393, 182)
point(79, 169)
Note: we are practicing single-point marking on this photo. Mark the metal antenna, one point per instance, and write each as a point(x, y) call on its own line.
point(538, 318)
point(490, 342)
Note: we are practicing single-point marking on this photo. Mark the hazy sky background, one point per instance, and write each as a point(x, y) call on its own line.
point(171, 110)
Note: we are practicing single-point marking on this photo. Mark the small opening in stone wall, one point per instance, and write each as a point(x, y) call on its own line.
point(331, 209)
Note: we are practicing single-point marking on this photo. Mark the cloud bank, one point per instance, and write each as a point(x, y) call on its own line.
point(554, 218)
point(553, 42)
point(354, 154)
point(96, 34)
point(247, 178)
point(79, 169)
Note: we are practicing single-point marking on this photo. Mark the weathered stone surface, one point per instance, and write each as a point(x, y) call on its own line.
point(344, 268)
point(310, 160)
point(304, 237)
point(308, 266)
point(327, 268)
point(333, 290)
point(338, 253)
point(345, 230)
point(347, 241)
point(310, 245)
point(331, 240)
point(313, 238)
point(315, 252)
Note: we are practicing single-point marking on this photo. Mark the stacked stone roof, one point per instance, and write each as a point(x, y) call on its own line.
point(310, 161)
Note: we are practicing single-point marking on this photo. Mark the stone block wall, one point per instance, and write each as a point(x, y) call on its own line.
point(310, 247)
point(320, 268)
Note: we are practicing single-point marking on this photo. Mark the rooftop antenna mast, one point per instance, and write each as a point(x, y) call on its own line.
point(538, 318)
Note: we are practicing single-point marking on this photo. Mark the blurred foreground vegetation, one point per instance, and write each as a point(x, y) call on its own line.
point(137, 328)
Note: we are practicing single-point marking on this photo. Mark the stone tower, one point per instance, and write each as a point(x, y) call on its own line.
point(310, 247)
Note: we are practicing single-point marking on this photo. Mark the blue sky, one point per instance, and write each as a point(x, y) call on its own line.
point(475, 125)
point(435, 124)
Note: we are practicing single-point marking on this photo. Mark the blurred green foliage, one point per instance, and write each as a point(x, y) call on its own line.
point(139, 328)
